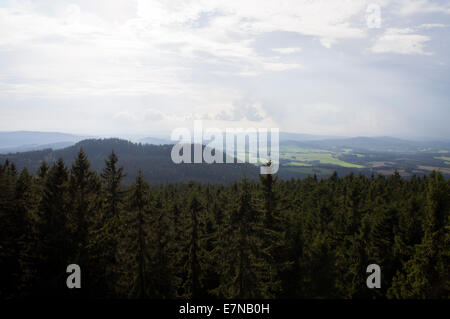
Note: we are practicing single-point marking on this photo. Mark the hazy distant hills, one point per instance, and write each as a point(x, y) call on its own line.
point(373, 144)
point(35, 147)
point(154, 160)
point(25, 141)
point(297, 137)
point(156, 141)
point(22, 141)
point(301, 155)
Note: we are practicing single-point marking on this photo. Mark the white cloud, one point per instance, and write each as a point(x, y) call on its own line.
point(401, 41)
point(241, 110)
point(327, 42)
point(151, 114)
point(410, 7)
point(125, 116)
point(190, 59)
point(433, 25)
point(276, 66)
point(287, 50)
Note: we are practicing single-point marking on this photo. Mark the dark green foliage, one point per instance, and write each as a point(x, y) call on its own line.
point(11, 230)
point(427, 274)
point(110, 227)
point(245, 273)
point(193, 249)
point(153, 160)
point(85, 202)
point(54, 235)
point(309, 238)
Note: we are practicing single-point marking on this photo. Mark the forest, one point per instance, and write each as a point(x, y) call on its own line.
point(269, 238)
point(153, 160)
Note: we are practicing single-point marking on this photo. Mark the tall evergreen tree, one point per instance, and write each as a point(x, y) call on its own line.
point(53, 231)
point(10, 231)
point(109, 229)
point(274, 236)
point(85, 192)
point(133, 253)
point(194, 249)
point(163, 279)
point(244, 272)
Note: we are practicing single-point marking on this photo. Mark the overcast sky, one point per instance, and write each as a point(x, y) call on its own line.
point(140, 67)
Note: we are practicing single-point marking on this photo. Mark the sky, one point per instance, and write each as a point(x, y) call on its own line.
point(344, 68)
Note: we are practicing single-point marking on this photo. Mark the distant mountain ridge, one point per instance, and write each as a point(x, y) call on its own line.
point(376, 144)
point(154, 161)
point(22, 141)
point(300, 156)
point(156, 141)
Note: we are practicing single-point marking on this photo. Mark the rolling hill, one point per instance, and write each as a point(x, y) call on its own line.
point(154, 160)
point(23, 141)
point(301, 155)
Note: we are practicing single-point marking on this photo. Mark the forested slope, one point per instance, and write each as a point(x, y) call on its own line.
point(154, 161)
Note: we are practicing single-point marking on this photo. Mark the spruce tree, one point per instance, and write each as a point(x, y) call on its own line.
point(163, 279)
point(53, 231)
point(85, 194)
point(109, 229)
point(26, 217)
point(194, 249)
point(273, 234)
point(244, 271)
point(11, 229)
point(133, 255)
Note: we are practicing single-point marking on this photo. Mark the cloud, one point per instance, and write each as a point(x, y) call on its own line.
point(153, 115)
point(327, 42)
point(411, 7)
point(103, 62)
point(242, 110)
point(125, 118)
point(276, 66)
point(432, 25)
point(401, 41)
point(287, 50)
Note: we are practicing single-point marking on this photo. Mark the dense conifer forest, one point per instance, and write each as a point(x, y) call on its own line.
point(266, 238)
point(153, 160)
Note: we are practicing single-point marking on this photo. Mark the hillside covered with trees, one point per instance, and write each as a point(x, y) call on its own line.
point(270, 238)
point(154, 161)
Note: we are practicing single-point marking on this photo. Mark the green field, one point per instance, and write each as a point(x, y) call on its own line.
point(298, 156)
point(304, 161)
point(298, 164)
